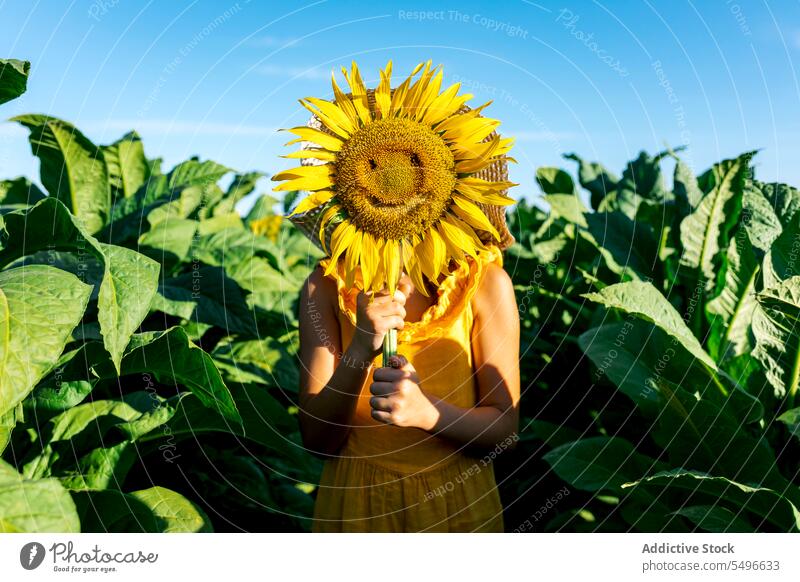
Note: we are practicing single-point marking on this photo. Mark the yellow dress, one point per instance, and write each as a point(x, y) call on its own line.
point(393, 479)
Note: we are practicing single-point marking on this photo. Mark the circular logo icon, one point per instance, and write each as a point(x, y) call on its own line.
point(31, 555)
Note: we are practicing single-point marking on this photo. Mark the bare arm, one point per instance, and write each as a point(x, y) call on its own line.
point(330, 379)
point(399, 399)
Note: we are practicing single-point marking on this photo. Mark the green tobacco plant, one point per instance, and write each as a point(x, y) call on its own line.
point(684, 301)
point(145, 322)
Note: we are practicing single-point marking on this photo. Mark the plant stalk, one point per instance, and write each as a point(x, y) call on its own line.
point(389, 346)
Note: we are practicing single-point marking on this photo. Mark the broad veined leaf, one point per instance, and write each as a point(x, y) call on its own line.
point(600, 463)
point(716, 519)
point(595, 178)
point(127, 166)
point(72, 168)
point(76, 432)
point(169, 241)
point(554, 181)
point(626, 245)
point(685, 188)
point(791, 418)
point(241, 186)
point(705, 233)
point(195, 173)
point(34, 505)
point(265, 361)
point(643, 177)
point(778, 336)
point(264, 421)
point(567, 206)
point(19, 191)
point(731, 311)
point(154, 510)
point(128, 287)
point(39, 308)
point(13, 78)
point(646, 302)
point(129, 279)
point(759, 218)
point(782, 261)
point(174, 512)
point(765, 504)
point(171, 357)
point(207, 295)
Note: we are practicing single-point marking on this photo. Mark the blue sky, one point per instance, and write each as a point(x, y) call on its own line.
point(602, 79)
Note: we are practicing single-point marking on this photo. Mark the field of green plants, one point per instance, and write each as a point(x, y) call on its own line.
point(148, 375)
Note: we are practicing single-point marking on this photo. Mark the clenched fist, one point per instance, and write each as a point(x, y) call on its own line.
point(398, 399)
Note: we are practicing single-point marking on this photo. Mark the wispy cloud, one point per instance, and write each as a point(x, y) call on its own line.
point(293, 72)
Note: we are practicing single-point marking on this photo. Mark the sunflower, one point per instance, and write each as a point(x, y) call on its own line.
point(393, 175)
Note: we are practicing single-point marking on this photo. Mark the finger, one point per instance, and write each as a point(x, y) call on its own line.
point(382, 388)
point(398, 361)
point(380, 403)
point(387, 374)
point(405, 287)
point(400, 296)
point(382, 416)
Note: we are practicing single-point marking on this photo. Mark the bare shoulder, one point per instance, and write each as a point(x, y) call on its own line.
point(496, 290)
point(319, 288)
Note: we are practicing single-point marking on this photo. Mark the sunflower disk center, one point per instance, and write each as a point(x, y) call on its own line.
point(395, 178)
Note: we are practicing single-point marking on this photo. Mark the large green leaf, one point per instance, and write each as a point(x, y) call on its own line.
point(171, 357)
point(600, 463)
point(173, 510)
point(778, 336)
point(626, 246)
point(731, 311)
point(39, 308)
point(692, 486)
point(19, 191)
point(129, 279)
point(646, 302)
point(782, 261)
point(241, 186)
point(265, 361)
point(595, 178)
point(713, 518)
point(554, 181)
point(154, 510)
point(13, 78)
point(169, 241)
point(34, 506)
point(72, 168)
point(264, 421)
point(207, 295)
point(687, 192)
point(128, 287)
point(127, 166)
point(705, 233)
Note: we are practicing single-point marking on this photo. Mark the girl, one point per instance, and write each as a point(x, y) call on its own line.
point(409, 447)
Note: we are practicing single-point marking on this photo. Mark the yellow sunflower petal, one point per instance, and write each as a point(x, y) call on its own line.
point(341, 239)
point(391, 263)
point(383, 94)
point(415, 273)
point(325, 140)
point(358, 91)
point(428, 94)
point(344, 103)
point(330, 115)
point(312, 201)
point(326, 218)
point(473, 215)
point(369, 259)
point(305, 178)
point(456, 236)
point(352, 258)
point(481, 193)
point(313, 154)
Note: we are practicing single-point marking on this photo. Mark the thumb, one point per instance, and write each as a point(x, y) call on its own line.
point(401, 362)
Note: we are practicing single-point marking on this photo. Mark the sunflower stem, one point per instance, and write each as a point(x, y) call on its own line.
point(389, 346)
